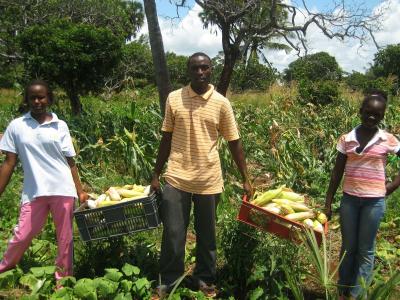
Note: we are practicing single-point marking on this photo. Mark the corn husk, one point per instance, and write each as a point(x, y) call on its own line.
point(113, 194)
point(107, 203)
point(298, 207)
point(291, 196)
point(318, 226)
point(308, 223)
point(322, 218)
point(133, 198)
point(272, 207)
point(286, 209)
point(266, 197)
point(91, 204)
point(100, 199)
point(300, 216)
point(125, 193)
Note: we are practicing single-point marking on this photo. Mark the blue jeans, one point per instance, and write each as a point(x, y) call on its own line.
point(359, 223)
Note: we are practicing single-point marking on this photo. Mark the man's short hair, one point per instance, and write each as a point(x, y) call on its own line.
point(197, 54)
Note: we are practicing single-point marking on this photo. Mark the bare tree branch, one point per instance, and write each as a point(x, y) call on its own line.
point(251, 23)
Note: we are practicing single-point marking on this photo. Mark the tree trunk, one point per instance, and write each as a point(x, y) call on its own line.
point(76, 105)
point(226, 74)
point(231, 54)
point(157, 51)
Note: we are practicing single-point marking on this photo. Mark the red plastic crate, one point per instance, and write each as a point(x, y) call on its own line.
point(276, 224)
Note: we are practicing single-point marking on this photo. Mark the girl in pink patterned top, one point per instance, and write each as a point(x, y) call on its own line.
point(361, 158)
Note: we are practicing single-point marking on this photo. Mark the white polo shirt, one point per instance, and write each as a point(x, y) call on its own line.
point(42, 150)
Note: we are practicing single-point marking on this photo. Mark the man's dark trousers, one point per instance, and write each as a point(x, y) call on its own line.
point(175, 214)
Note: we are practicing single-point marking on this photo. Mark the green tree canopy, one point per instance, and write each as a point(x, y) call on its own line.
point(252, 76)
point(318, 66)
point(76, 57)
point(135, 68)
point(122, 17)
point(245, 27)
point(387, 61)
point(177, 67)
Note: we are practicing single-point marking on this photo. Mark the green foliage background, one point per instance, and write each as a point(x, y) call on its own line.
point(286, 142)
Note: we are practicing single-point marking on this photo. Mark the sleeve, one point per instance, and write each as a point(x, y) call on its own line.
point(67, 147)
point(169, 118)
point(393, 144)
point(8, 140)
point(227, 124)
point(341, 144)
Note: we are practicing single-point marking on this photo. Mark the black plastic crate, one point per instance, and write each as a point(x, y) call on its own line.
point(118, 219)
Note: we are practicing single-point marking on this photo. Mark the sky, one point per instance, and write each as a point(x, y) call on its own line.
point(184, 35)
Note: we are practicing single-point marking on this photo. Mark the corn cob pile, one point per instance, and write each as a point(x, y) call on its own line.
point(290, 205)
point(118, 194)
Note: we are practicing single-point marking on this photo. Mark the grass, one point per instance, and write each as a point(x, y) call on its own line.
point(275, 93)
point(9, 96)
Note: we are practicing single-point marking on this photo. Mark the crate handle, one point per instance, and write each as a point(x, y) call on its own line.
point(79, 204)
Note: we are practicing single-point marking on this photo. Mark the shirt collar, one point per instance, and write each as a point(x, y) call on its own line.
point(353, 137)
point(54, 119)
point(205, 96)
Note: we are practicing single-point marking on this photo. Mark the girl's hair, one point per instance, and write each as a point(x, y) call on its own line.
point(23, 107)
point(376, 95)
point(42, 83)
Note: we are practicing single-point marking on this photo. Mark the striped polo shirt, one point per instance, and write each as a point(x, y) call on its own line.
point(364, 174)
point(196, 122)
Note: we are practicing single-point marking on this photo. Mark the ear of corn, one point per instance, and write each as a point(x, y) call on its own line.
point(308, 223)
point(124, 193)
point(291, 196)
point(300, 216)
point(287, 209)
point(117, 194)
point(91, 204)
point(133, 198)
point(267, 197)
point(299, 207)
point(135, 187)
point(93, 196)
point(318, 226)
point(282, 201)
point(272, 207)
point(100, 199)
point(114, 195)
point(322, 218)
point(107, 203)
point(295, 205)
point(291, 206)
point(147, 190)
point(269, 205)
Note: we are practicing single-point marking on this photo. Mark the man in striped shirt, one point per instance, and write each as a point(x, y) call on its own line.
point(195, 117)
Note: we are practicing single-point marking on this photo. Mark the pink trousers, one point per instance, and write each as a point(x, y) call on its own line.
point(32, 218)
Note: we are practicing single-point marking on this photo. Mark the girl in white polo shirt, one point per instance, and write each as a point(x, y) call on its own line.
point(51, 182)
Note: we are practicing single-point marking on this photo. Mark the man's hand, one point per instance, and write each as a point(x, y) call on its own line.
point(155, 184)
point(248, 189)
point(83, 196)
point(393, 185)
point(328, 211)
